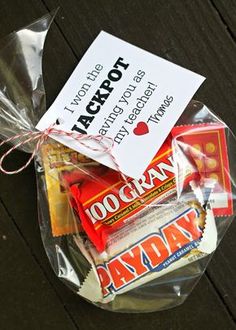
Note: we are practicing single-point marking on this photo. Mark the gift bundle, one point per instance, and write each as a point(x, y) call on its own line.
point(134, 178)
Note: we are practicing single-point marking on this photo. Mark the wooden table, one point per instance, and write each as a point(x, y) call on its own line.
point(197, 34)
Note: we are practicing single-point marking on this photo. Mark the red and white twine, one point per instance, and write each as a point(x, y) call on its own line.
point(41, 137)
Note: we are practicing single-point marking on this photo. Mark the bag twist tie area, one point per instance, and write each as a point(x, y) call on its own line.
point(105, 145)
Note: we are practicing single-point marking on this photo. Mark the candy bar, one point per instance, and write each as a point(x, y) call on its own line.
point(160, 240)
point(206, 145)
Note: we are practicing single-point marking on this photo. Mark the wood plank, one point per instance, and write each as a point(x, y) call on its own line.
point(158, 38)
point(27, 299)
point(227, 14)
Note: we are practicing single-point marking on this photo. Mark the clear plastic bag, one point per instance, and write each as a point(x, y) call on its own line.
point(133, 246)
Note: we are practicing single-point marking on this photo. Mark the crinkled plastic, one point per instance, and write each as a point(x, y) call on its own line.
point(134, 246)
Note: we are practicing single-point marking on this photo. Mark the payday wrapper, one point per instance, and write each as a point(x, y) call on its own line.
point(159, 241)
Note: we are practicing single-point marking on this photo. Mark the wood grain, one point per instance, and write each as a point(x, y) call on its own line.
point(226, 10)
point(27, 299)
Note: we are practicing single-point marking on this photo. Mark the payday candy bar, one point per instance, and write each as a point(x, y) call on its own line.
point(172, 239)
point(161, 240)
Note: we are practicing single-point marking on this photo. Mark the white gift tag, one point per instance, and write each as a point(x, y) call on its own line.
point(126, 93)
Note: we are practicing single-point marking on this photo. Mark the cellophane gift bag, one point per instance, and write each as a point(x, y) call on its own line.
point(124, 245)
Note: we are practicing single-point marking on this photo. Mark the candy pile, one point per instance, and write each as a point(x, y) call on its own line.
point(133, 232)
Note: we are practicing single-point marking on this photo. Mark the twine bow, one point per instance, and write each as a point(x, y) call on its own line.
point(41, 137)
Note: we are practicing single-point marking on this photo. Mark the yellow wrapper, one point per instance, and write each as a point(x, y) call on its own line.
point(57, 158)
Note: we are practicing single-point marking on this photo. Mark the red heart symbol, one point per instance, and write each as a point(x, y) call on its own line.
point(141, 128)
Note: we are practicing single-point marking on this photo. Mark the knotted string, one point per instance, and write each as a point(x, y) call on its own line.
point(41, 137)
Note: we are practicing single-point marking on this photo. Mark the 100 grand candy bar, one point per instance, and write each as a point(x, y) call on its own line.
point(159, 241)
